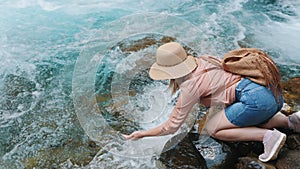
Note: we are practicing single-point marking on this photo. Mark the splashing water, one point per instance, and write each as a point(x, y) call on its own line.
point(60, 59)
point(147, 108)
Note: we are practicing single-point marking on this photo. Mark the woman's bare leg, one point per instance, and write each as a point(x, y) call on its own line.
point(218, 126)
point(278, 120)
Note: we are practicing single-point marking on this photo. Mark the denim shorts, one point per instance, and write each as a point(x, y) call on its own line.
point(254, 105)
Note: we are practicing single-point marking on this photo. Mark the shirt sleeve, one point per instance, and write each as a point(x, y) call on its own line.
point(184, 104)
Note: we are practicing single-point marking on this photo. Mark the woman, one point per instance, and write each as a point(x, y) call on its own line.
point(250, 110)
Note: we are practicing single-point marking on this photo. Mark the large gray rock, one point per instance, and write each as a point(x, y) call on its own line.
point(289, 157)
point(217, 154)
point(183, 156)
point(289, 160)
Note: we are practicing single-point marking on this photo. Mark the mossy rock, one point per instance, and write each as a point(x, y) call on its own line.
point(77, 152)
point(291, 92)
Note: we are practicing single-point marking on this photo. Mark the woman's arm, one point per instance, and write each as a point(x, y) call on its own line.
point(183, 106)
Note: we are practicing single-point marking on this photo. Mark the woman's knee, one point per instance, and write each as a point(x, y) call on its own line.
point(211, 130)
point(208, 131)
point(214, 133)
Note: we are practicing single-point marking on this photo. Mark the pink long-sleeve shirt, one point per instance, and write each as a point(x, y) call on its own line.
point(210, 87)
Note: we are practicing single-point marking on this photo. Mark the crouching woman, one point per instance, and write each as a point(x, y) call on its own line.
point(251, 111)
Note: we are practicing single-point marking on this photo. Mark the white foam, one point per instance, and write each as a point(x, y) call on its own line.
point(282, 37)
point(48, 6)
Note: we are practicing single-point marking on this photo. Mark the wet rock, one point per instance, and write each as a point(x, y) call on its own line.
point(247, 148)
point(286, 109)
point(76, 151)
point(217, 154)
point(292, 92)
point(135, 44)
point(252, 163)
point(183, 156)
point(289, 156)
point(293, 141)
point(147, 41)
point(289, 160)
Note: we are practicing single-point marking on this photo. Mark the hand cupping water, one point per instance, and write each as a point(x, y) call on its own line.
point(134, 136)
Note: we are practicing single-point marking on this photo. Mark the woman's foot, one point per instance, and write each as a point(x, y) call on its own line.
point(273, 141)
point(294, 121)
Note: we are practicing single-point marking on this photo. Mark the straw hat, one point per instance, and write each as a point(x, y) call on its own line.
point(172, 62)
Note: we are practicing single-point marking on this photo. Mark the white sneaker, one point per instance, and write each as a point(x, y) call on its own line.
point(272, 146)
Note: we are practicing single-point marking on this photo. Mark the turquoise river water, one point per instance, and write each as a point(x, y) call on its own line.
point(73, 74)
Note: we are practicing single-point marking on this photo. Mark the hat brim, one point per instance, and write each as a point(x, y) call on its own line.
point(158, 72)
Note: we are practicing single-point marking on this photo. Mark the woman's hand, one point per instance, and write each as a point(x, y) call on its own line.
point(157, 131)
point(134, 136)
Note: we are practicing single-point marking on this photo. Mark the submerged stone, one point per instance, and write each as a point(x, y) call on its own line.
point(14, 85)
point(149, 40)
point(79, 153)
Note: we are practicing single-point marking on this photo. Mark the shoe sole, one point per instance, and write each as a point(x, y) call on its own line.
point(276, 149)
